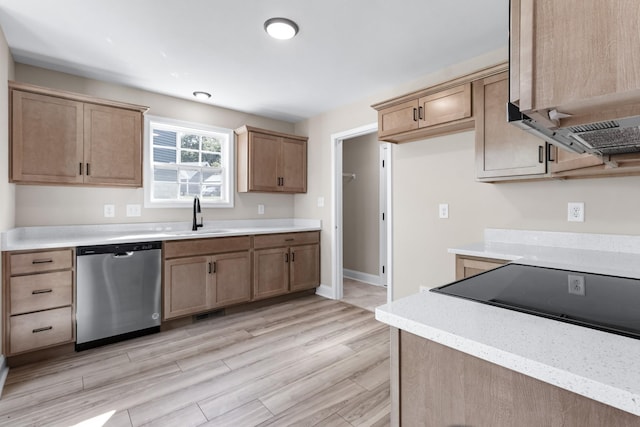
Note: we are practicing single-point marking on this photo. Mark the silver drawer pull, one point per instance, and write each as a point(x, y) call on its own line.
point(41, 291)
point(42, 261)
point(46, 328)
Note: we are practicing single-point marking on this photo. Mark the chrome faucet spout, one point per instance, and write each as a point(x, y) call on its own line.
point(196, 210)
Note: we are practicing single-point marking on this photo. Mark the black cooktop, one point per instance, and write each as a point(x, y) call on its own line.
point(608, 303)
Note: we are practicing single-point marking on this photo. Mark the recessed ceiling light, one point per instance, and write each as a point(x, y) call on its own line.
point(281, 28)
point(201, 95)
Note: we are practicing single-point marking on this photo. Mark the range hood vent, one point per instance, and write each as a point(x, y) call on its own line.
point(619, 136)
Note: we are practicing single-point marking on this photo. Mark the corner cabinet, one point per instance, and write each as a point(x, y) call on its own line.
point(284, 263)
point(38, 309)
point(64, 138)
point(204, 274)
point(270, 161)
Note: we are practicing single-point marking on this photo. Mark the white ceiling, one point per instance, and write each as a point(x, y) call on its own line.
point(345, 51)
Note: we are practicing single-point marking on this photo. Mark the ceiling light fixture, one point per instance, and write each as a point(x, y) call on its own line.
point(201, 95)
point(281, 28)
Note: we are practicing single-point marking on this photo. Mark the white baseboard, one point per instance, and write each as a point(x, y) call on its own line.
point(362, 277)
point(324, 291)
point(4, 371)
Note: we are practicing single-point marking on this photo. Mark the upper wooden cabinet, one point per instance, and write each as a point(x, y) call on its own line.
point(270, 161)
point(425, 114)
point(63, 138)
point(503, 150)
point(579, 57)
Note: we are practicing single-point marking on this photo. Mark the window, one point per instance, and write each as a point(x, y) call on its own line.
point(185, 160)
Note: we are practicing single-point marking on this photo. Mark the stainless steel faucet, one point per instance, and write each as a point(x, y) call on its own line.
point(196, 210)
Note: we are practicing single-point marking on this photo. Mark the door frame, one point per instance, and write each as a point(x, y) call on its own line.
point(337, 140)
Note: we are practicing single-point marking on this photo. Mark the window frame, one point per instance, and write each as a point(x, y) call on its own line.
point(148, 169)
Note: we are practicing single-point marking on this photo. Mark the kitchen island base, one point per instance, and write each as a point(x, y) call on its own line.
point(435, 385)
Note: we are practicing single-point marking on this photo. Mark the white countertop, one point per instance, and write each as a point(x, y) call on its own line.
point(28, 238)
point(599, 365)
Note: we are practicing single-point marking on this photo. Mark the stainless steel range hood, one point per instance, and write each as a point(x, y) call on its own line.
point(620, 136)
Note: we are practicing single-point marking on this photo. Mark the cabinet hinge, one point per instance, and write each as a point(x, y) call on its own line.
point(383, 163)
point(383, 269)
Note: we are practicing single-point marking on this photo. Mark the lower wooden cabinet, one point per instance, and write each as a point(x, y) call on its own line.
point(198, 283)
point(467, 266)
point(435, 385)
point(39, 306)
point(289, 262)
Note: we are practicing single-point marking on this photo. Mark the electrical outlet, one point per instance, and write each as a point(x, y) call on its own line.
point(575, 212)
point(133, 210)
point(443, 210)
point(260, 209)
point(576, 285)
point(109, 211)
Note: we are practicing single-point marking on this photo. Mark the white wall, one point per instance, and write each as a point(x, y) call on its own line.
point(57, 205)
point(7, 191)
point(441, 170)
point(361, 204)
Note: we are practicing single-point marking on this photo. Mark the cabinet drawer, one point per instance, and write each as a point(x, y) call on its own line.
point(216, 245)
point(38, 262)
point(41, 329)
point(40, 291)
point(285, 239)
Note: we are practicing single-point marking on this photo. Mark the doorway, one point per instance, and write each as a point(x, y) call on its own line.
point(376, 267)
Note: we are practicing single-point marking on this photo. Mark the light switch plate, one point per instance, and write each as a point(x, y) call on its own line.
point(260, 209)
point(109, 211)
point(133, 210)
point(321, 202)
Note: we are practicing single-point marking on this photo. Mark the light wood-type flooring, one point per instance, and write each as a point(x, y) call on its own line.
point(363, 295)
point(306, 362)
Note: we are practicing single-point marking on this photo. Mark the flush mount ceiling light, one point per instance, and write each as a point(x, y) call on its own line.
point(281, 28)
point(201, 95)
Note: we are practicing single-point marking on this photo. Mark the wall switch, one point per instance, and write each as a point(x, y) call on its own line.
point(260, 209)
point(133, 210)
point(575, 212)
point(443, 210)
point(321, 202)
point(109, 211)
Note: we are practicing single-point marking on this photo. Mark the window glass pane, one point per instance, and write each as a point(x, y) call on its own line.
point(213, 160)
point(164, 137)
point(191, 142)
point(167, 175)
point(164, 155)
point(189, 190)
point(165, 190)
point(211, 144)
point(211, 192)
point(188, 156)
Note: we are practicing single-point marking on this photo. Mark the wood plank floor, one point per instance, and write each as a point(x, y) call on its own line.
point(363, 294)
point(306, 362)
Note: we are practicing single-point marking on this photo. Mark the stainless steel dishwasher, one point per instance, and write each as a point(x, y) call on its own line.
point(117, 292)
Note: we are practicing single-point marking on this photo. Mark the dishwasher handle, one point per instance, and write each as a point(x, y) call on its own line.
point(123, 254)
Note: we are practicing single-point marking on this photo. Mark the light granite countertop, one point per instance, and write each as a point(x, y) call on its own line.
point(599, 365)
point(31, 238)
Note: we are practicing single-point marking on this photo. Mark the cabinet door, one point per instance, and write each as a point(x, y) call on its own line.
point(293, 168)
point(46, 139)
point(113, 146)
point(232, 278)
point(264, 154)
point(577, 55)
point(445, 106)
point(503, 150)
point(304, 267)
point(187, 287)
point(270, 272)
point(397, 119)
